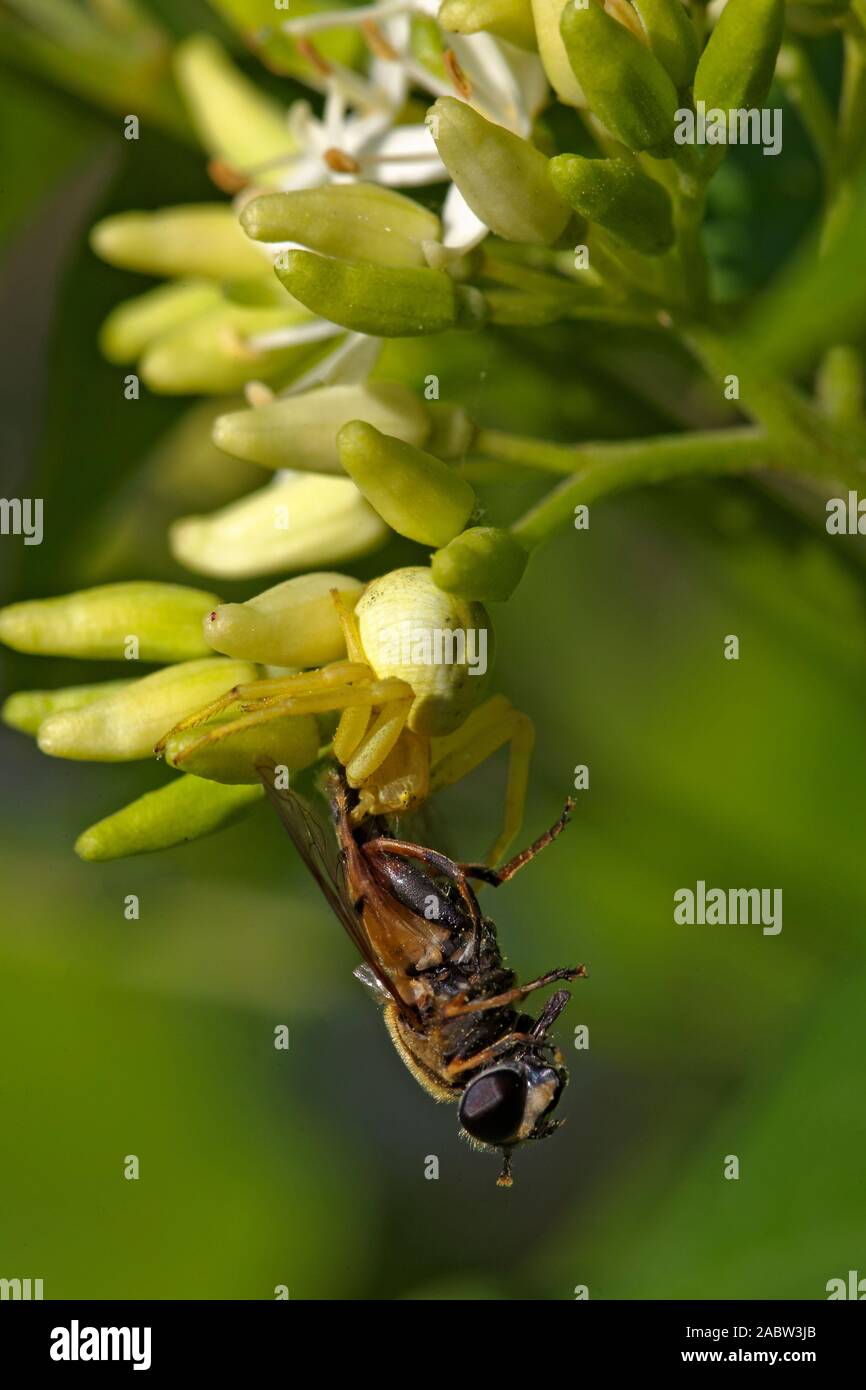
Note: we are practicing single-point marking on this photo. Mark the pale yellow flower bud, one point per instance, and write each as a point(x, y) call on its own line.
point(138, 621)
point(299, 521)
point(301, 431)
point(294, 624)
point(126, 725)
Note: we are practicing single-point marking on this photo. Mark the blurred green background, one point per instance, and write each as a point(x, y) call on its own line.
point(306, 1168)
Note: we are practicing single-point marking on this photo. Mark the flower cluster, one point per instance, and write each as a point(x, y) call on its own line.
point(420, 187)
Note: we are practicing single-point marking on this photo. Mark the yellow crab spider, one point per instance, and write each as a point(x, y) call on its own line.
point(411, 700)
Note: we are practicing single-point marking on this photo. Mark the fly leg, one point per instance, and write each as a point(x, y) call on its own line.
point(552, 1009)
point(496, 876)
point(480, 1059)
point(511, 996)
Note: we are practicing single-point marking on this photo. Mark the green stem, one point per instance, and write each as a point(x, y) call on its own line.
point(812, 444)
point(689, 208)
point(807, 95)
point(850, 140)
point(600, 469)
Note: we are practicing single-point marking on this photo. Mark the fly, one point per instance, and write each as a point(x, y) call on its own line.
point(433, 960)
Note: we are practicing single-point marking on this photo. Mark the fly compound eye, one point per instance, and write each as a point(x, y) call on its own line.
point(492, 1106)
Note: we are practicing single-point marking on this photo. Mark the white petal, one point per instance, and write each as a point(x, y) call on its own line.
point(461, 229)
point(313, 331)
point(347, 18)
point(404, 157)
point(348, 364)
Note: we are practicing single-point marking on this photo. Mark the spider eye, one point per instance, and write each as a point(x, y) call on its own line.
point(492, 1106)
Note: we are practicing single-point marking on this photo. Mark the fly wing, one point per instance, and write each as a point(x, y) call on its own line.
point(317, 846)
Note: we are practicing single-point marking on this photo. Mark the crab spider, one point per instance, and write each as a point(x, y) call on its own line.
point(410, 724)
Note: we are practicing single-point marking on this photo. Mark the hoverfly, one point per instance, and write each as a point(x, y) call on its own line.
point(433, 960)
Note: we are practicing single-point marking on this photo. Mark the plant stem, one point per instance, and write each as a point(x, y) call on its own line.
point(809, 442)
point(601, 469)
point(806, 94)
point(689, 207)
point(850, 140)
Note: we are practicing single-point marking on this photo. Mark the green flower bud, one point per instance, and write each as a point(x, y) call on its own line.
point(672, 38)
point(215, 352)
point(165, 620)
point(186, 809)
point(619, 196)
point(418, 495)
point(294, 624)
point(560, 73)
point(126, 725)
point(427, 45)
point(300, 431)
point(358, 221)
point(134, 324)
point(203, 239)
point(503, 178)
point(453, 431)
point(508, 19)
point(26, 709)
point(235, 121)
point(483, 563)
point(737, 65)
point(627, 88)
point(292, 742)
point(385, 302)
point(299, 521)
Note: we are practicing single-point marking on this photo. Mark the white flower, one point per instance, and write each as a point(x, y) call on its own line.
point(500, 81)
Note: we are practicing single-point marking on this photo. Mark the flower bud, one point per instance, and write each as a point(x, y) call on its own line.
point(235, 121)
point(672, 38)
point(186, 809)
point(507, 19)
point(627, 88)
point(385, 302)
point(484, 563)
point(215, 353)
point(551, 49)
point(164, 619)
point(453, 431)
point(195, 239)
point(300, 432)
point(418, 495)
point(291, 741)
point(737, 65)
point(442, 646)
point(358, 221)
point(136, 323)
point(299, 521)
point(26, 709)
point(294, 624)
point(126, 725)
point(503, 178)
point(618, 196)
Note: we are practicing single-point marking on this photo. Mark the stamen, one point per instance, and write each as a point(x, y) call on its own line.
point(257, 394)
point(226, 178)
point(377, 43)
point(340, 162)
point(456, 73)
point(308, 50)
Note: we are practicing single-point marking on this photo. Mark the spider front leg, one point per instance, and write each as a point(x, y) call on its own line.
point(488, 728)
point(340, 686)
